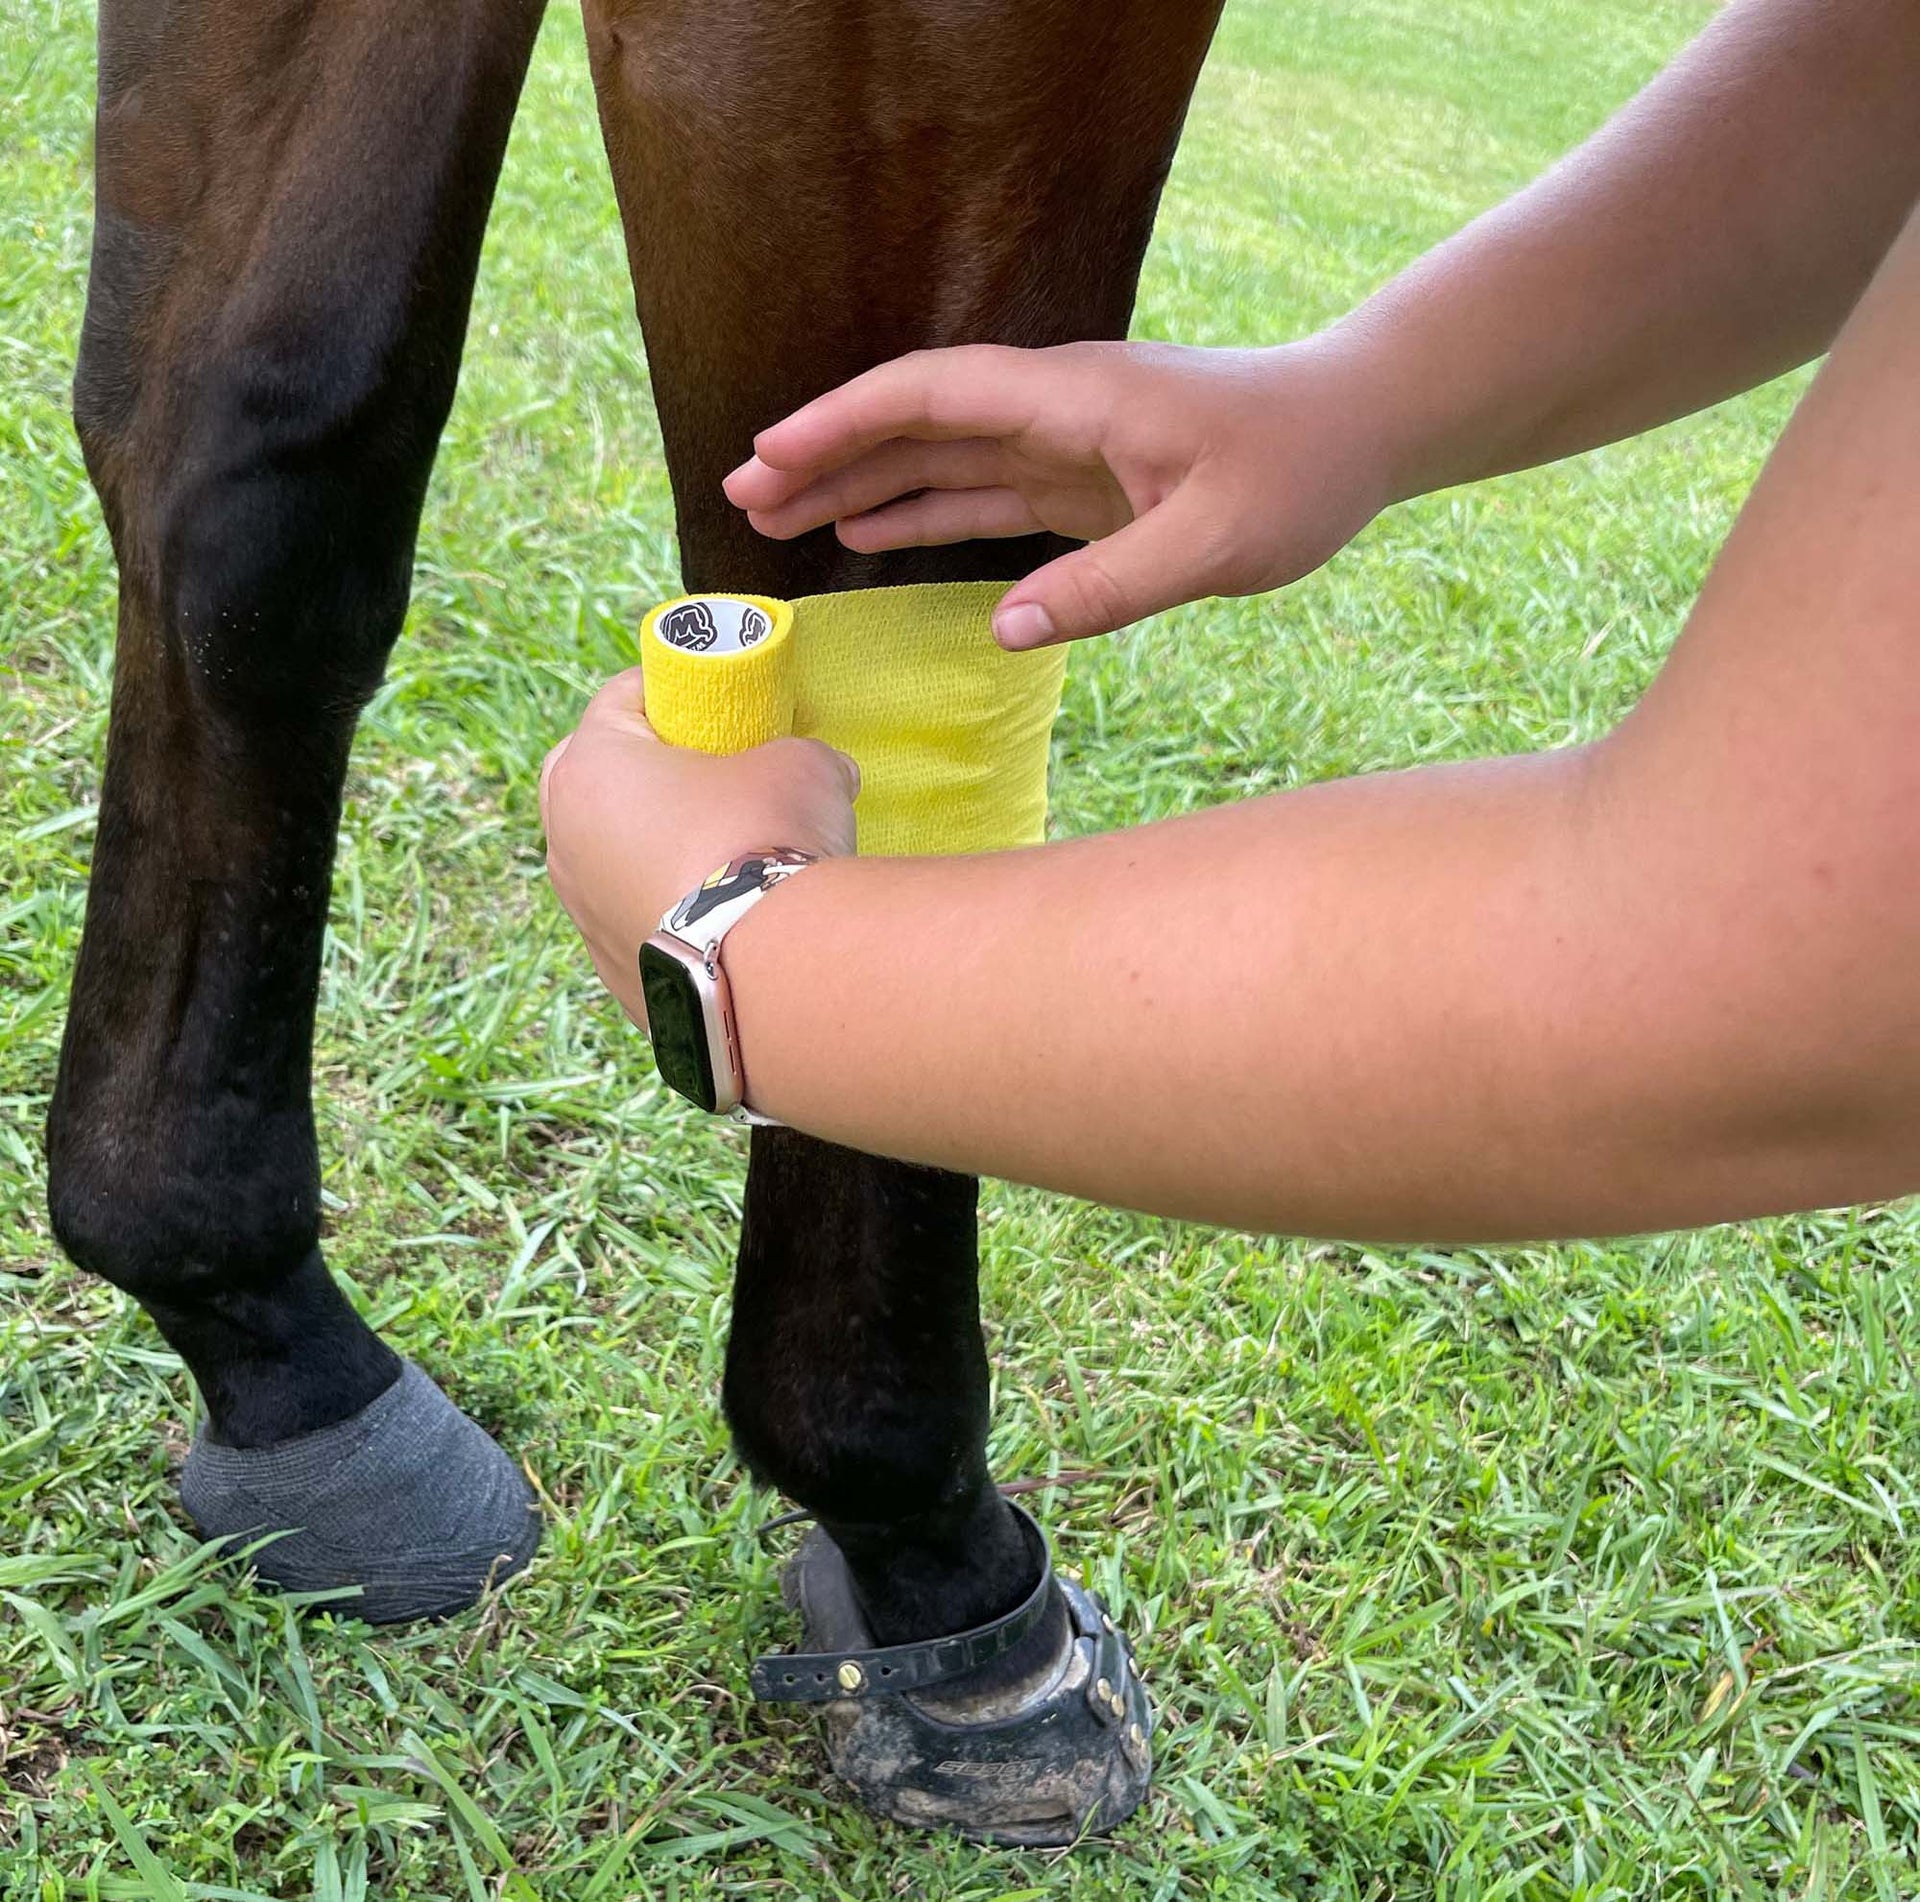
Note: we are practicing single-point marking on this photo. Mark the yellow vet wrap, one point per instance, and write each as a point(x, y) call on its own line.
point(705, 688)
point(950, 731)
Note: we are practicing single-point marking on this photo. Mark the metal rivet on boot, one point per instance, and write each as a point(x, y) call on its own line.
point(851, 1676)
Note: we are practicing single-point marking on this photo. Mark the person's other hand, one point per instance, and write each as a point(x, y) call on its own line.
point(634, 824)
point(1189, 472)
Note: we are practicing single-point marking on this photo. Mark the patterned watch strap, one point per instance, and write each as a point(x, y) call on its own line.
point(723, 898)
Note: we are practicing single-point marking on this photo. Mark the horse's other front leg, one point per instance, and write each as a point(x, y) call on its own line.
point(290, 207)
point(807, 191)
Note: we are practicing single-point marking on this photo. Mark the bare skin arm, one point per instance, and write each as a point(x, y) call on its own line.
point(1715, 232)
point(1668, 978)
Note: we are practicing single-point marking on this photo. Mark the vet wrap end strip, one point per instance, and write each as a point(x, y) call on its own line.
point(950, 731)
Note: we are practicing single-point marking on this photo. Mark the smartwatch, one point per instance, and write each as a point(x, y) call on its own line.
point(689, 1007)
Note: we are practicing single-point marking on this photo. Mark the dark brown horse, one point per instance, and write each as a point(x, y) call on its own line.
point(291, 197)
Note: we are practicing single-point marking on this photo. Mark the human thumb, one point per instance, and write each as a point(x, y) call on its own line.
point(1151, 564)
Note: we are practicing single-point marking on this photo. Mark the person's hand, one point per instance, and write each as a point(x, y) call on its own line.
point(1189, 472)
point(634, 824)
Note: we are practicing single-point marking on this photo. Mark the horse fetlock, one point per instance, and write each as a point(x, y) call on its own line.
point(201, 1201)
point(178, 1205)
point(861, 1465)
point(910, 1504)
point(227, 1264)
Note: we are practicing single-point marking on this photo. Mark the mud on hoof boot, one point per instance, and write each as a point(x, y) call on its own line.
point(1061, 1753)
point(407, 1499)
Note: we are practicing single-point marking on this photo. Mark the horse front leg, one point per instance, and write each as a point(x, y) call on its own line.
point(857, 1380)
point(288, 227)
point(807, 191)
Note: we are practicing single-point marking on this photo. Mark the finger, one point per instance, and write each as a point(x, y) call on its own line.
point(622, 701)
point(895, 468)
point(1155, 562)
point(844, 767)
point(938, 517)
point(553, 758)
point(976, 390)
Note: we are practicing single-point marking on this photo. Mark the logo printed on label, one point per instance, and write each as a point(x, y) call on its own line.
point(689, 627)
point(753, 627)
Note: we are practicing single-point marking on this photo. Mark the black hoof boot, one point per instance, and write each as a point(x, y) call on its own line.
point(408, 1501)
point(1061, 1752)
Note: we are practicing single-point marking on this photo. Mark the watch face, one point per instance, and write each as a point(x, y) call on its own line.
point(678, 1025)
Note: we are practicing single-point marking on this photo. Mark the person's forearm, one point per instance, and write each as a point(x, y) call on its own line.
point(1712, 235)
point(1046, 1016)
point(1450, 1003)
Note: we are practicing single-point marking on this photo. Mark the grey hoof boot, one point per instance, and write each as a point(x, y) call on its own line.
point(1060, 1754)
point(408, 1499)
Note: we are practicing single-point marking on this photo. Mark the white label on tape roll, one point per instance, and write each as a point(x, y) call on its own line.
point(714, 624)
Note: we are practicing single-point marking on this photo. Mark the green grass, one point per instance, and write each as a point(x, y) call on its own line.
point(1546, 1573)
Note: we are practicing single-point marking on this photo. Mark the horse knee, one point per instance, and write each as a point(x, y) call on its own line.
point(264, 509)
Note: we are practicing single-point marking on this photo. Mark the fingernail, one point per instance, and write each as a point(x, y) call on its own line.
point(853, 771)
point(1026, 624)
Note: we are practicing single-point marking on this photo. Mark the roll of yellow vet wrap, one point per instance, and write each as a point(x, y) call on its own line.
point(719, 671)
point(950, 731)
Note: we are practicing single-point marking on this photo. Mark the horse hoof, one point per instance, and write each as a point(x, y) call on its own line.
point(1063, 1753)
point(408, 1500)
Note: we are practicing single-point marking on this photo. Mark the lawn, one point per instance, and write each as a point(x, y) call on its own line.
point(1550, 1573)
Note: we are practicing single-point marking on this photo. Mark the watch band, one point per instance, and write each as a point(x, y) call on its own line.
point(697, 925)
point(723, 898)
